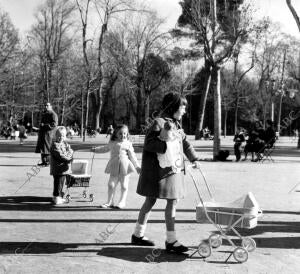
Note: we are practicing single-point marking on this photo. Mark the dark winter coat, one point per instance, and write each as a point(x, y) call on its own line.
point(61, 156)
point(270, 137)
point(46, 132)
point(155, 181)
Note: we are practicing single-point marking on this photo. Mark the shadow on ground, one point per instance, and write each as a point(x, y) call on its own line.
point(288, 242)
point(272, 226)
point(139, 254)
point(123, 251)
point(272, 241)
point(27, 203)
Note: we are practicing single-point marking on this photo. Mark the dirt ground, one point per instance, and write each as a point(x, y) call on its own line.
point(79, 237)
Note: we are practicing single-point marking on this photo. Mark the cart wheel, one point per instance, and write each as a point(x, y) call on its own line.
point(91, 197)
point(204, 249)
point(240, 254)
point(68, 198)
point(215, 240)
point(249, 244)
point(84, 194)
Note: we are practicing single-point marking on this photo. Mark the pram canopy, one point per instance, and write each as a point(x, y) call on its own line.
point(226, 213)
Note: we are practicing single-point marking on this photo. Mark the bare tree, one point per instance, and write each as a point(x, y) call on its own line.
point(106, 11)
point(145, 39)
point(8, 38)
point(52, 38)
point(84, 12)
point(219, 42)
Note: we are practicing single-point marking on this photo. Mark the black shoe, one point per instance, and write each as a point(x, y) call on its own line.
point(141, 241)
point(177, 249)
point(43, 164)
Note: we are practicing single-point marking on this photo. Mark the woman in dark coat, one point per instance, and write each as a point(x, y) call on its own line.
point(167, 183)
point(255, 143)
point(270, 135)
point(47, 129)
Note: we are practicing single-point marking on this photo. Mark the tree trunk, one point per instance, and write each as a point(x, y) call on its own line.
point(82, 114)
point(225, 123)
point(236, 60)
point(100, 76)
point(86, 115)
point(99, 103)
point(236, 114)
point(282, 91)
point(62, 113)
point(264, 115)
point(147, 107)
point(139, 106)
point(114, 101)
point(294, 13)
point(202, 105)
point(217, 113)
point(279, 113)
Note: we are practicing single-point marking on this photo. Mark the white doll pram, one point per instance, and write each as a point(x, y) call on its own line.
point(242, 213)
point(80, 177)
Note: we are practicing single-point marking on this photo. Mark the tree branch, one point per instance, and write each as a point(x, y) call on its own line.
point(294, 13)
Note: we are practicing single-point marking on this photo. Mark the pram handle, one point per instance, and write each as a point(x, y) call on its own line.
point(196, 166)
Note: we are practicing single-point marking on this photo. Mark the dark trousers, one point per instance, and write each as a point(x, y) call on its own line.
point(237, 151)
point(59, 181)
point(45, 158)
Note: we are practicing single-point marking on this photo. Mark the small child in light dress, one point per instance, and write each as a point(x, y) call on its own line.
point(121, 164)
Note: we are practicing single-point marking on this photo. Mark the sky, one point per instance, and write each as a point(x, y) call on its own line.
point(22, 11)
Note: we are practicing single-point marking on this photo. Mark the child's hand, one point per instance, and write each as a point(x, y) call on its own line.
point(196, 164)
point(138, 170)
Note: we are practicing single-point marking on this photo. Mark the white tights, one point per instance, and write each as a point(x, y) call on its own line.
point(112, 185)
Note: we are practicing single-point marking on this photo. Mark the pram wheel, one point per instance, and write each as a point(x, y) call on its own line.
point(68, 198)
point(91, 197)
point(249, 244)
point(240, 254)
point(204, 249)
point(215, 240)
point(84, 194)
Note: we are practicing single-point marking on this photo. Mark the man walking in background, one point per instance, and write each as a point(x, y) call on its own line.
point(47, 128)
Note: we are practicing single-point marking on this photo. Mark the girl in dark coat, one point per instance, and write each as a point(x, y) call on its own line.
point(156, 182)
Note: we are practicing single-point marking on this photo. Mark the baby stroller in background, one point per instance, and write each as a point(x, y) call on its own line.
point(241, 213)
point(80, 178)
